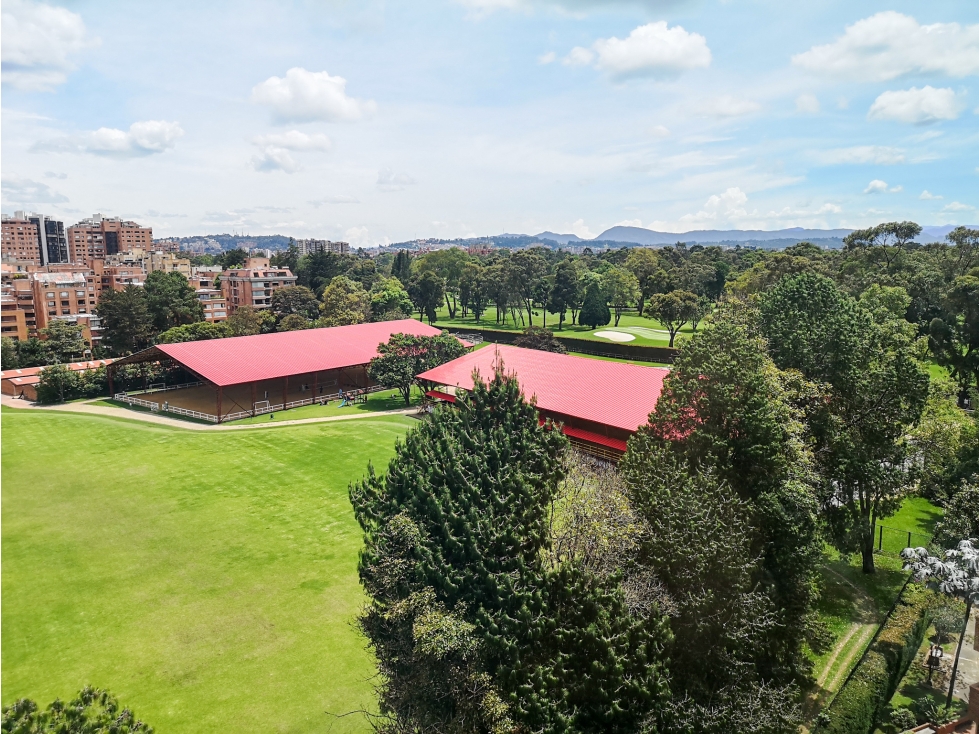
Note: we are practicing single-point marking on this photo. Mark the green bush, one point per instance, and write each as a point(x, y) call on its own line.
point(857, 707)
point(903, 719)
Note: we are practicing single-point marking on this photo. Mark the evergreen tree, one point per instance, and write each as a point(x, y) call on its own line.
point(563, 295)
point(472, 632)
point(171, 300)
point(401, 267)
point(64, 341)
point(8, 354)
point(32, 353)
point(127, 325)
point(594, 307)
point(92, 711)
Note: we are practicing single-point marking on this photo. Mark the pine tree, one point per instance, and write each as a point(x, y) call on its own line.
point(594, 307)
point(472, 632)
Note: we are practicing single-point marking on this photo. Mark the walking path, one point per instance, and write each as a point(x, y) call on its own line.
point(165, 420)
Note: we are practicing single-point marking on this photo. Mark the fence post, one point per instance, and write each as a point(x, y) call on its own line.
point(909, 540)
point(880, 538)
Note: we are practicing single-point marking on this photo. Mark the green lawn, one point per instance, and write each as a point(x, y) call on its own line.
point(376, 402)
point(647, 332)
point(207, 579)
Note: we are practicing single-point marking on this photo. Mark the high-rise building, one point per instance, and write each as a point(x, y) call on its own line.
point(253, 284)
point(96, 237)
point(34, 237)
point(310, 247)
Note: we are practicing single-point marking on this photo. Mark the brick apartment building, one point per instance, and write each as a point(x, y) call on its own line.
point(97, 237)
point(215, 304)
point(151, 261)
point(34, 238)
point(311, 247)
point(254, 284)
point(13, 320)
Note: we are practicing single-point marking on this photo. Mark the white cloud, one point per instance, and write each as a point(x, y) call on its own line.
point(306, 96)
point(659, 131)
point(295, 140)
point(842, 103)
point(958, 206)
point(547, 58)
point(650, 50)
point(629, 223)
point(915, 106)
point(271, 158)
point(578, 56)
point(926, 195)
point(581, 229)
point(357, 237)
point(878, 154)
point(889, 44)
point(880, 187)
point(729, 106)
point(37, 43)
point(142, 139)
point(52, 174)
point(388, 180)
point(339, 199)
point(807, 104)
point(17, 190)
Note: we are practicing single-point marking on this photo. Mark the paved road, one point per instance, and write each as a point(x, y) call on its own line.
point(165, 420)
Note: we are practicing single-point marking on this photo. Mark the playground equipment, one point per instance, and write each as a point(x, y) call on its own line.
point(350, 397)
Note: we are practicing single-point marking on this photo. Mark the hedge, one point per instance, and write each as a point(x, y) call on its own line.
point(857, 707)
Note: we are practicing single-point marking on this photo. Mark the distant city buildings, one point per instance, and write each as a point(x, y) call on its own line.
point(34, 237)
point(313, 247)
point(97, 237)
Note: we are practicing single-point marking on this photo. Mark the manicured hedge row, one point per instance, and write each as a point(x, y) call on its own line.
point(857, 707)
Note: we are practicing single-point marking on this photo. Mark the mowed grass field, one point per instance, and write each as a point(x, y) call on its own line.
point(207, 579)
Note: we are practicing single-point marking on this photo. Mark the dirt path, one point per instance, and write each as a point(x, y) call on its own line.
point(164, 420)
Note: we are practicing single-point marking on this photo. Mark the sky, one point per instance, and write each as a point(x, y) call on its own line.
point(380, 122)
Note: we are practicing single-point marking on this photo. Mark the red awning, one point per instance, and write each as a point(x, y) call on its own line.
point(441, 396)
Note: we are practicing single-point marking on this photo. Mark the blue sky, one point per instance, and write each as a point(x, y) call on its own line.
point(380, 122)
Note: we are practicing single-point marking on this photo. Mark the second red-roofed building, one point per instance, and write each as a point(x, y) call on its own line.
point(599, 403)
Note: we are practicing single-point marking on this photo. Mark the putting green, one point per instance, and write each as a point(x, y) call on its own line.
point(208, 579)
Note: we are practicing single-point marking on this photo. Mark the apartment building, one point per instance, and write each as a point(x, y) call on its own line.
point(64, 294)
point(254, 284)
point(310, 247)
point(151, 261)
point(117, 277)
point(13, 320)
point(98, 237)
point(33, 237)
point(19, 288)
point(215, 304)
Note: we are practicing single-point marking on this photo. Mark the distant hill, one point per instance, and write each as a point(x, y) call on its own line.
point(562, 239)
point(643, 236)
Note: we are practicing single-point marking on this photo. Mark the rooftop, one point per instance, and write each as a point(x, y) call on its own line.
point(611, 393)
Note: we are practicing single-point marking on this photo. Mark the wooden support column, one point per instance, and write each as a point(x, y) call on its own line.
point(253, 399)
point(111, 373)
point(315, 380)
point(285, 392)
point(220, 389)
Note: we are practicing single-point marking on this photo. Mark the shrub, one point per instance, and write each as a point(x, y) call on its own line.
point(948, 619)
point(903, 719)
point(857, 707)
point(92, 710)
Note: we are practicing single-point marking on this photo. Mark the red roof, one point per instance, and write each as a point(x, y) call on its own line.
point(36, 371)
point(611, 393)
point(241, 359)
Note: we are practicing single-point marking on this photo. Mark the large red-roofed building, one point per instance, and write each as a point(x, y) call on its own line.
point(600, 403)
point(249, 374)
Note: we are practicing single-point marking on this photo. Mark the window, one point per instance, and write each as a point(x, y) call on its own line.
point(64, 294)
point(50, 303)
point(79, 293)
point(50, 295)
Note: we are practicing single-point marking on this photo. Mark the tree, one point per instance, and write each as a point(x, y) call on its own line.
point(364, 272)
point(296, 322)
point(594, 307)
point(233, 258)
point(448, 264)
point(315, 271)
point(954, 337)
point(957, 575)
point(472, 631)
point(200, 331)
point(537, 337)
point(961, 518)
point(8, 354)
point(472, 290)
point(64, 340)
point(295, 299)
point(288, 258)
point(127, 325)
point(247, 320)
point(92, 711)
point(344, 302)
point(389, 301)
point(426, 291)
point(644, 263)
point(171, 300)
point(696, 549)
point(622, 290)
point(874, 391)
point(705, 307)
point(673, 310)
point(403, 357)
point(531, 268)
point(57, 383)
point(32, 353)
point(401, 267)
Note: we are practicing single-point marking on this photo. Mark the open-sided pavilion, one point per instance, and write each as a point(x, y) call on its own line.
point(232, 378)
point(599, 403)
